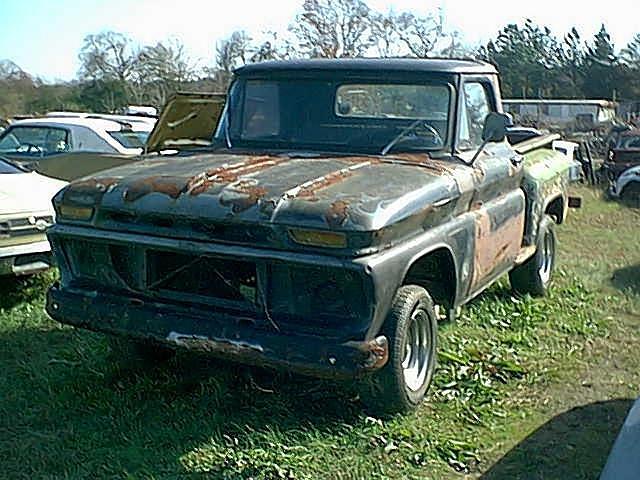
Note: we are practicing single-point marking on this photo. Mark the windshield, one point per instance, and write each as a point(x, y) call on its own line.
point(130, 139)
point(331, 116)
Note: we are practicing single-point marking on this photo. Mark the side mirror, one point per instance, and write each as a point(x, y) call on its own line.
point(495, 127)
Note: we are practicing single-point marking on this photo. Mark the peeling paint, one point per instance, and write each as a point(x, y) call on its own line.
point(337, 214)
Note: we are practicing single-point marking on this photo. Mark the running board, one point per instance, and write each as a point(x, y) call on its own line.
point(525, 254)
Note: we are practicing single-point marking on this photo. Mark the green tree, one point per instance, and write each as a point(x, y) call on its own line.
point(527, 57)
point(601, 67)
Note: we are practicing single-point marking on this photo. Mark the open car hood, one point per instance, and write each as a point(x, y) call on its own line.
point(187, 119)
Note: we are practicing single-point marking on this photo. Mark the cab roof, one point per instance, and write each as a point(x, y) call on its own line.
point(430, 65)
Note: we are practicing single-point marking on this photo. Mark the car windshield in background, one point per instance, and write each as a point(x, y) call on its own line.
point(7, 167)
point(34, 141)
point(130, 139)
point(325, 115)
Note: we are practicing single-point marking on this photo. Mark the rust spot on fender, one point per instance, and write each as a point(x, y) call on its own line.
point(336, 216)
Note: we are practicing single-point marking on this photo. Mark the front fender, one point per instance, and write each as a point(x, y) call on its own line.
point(389, 268)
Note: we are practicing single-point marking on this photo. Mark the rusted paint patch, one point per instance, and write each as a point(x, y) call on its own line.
point(308, 189)
point(96, 188)
point(424, 160)
point(170, 186)
point(230, 173)
point(243, 196)
point(376, 352)
point(95, 185)
point(494, 245)
point(336, 216)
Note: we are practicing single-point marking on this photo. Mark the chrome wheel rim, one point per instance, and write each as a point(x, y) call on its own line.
point(546, 262)
point(418, 344)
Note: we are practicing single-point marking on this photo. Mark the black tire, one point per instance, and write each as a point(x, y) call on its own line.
point(412, 318)
point(630, 195)
point(534, 276)
point(137, 350)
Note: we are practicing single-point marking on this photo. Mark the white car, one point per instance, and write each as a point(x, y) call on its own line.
point(25, 213)
point(627, 187)
point(624, 460)
point(72, 145)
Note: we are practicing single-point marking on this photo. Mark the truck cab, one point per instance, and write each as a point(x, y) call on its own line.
point(341, 210)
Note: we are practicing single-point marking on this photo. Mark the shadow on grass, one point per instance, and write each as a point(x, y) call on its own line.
point(572, 445)
point(17, 290)
point(75, 410)
point(627, 279)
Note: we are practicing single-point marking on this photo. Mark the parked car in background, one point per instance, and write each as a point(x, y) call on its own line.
point(623, 154)
point(25, 213)
point(627, 187)
point(73, 145)
point(624, 460)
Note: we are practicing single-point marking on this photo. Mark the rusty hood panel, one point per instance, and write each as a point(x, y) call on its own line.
point(339, 193)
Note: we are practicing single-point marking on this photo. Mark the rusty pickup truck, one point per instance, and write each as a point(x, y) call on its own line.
point(338, 213)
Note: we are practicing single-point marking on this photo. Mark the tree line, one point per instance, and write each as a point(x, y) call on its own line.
point(533, 61)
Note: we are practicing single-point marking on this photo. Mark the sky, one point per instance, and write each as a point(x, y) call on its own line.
point(44, 37)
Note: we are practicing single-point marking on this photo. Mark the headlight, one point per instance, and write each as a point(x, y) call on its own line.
point(318, 238)
point(72, 212)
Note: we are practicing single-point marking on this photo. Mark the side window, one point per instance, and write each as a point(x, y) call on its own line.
point(475, 108)
point(56, 140)
point(35, 141)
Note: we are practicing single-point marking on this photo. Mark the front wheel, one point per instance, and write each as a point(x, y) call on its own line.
point(534, 275)
point(411, 328)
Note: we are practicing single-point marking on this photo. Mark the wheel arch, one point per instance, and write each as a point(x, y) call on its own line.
point(556, 207)
point(436, 270)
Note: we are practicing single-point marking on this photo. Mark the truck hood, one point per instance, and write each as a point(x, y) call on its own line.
point(324, 192)
point(27, 192)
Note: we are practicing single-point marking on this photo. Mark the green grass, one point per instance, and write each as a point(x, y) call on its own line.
point(525, 389)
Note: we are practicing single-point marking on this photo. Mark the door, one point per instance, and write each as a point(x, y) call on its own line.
point(498, 202)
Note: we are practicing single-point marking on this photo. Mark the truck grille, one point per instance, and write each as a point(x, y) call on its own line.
point(20, 227)
point(300, 296)
point(204, 276)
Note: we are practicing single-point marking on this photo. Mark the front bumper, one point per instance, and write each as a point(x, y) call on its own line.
point(25, 259)
point(216, 333)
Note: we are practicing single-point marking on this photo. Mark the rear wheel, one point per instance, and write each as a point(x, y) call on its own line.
point(630, 196)
point(534, 276)
point(411, 328)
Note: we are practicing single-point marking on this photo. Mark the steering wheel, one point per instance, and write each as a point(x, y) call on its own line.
point(29, 148)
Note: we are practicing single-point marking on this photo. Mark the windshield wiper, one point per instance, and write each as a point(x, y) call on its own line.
point(410, 129)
